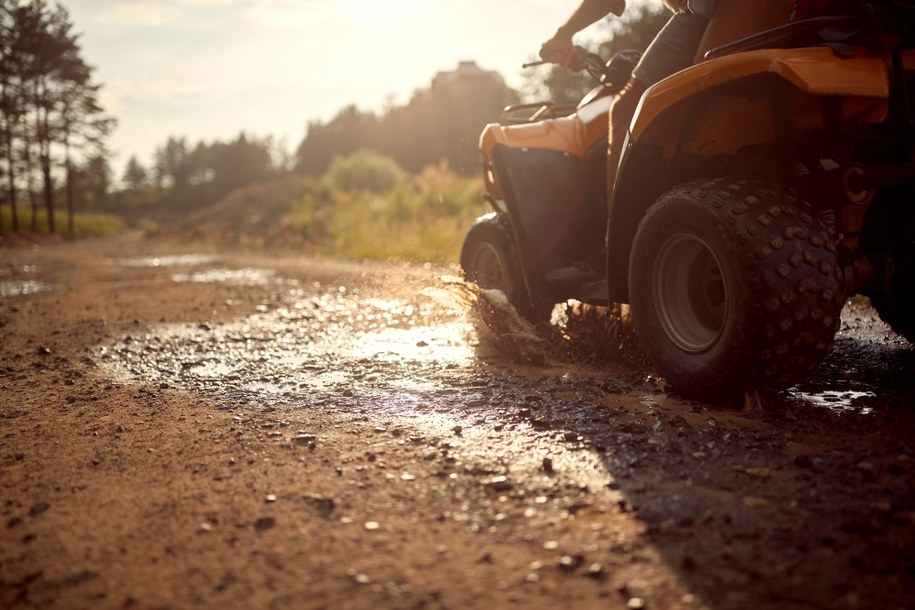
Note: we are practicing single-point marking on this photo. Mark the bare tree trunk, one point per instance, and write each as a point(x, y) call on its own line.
point(44, 157)
point(69, 169)
point(48, 189)
point(11, 169)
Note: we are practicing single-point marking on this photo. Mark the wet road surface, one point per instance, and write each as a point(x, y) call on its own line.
point(617, 492)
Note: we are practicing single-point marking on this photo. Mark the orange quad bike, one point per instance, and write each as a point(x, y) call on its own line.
point(757, 190)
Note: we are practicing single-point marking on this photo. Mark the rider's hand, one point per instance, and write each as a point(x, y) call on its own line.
point(558, 49)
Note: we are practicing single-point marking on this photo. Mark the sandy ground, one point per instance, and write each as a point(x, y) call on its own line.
point(187, 428)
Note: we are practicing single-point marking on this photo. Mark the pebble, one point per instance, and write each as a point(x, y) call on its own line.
point(499, 483)
point(754, 502)
point(372, 525)
point(570, 562)
point(38, 508)
point(759, 473)
point(304, 439)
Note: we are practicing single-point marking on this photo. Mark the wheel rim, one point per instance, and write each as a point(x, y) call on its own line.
point(690, 293)
point(489, 269)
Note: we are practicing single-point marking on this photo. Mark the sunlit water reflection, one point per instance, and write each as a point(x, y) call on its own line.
point(11, 285)
point(11, 288)
point(177, 260)
point(213, 276)
point(840, 400)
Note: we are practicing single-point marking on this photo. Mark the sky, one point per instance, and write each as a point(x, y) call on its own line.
point(211, 69)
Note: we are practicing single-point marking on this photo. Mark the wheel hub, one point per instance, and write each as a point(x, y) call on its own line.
point(489, 270)
point(690, 293)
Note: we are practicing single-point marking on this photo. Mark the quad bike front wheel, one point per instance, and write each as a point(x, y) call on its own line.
point(734, 286)
point(490, 260)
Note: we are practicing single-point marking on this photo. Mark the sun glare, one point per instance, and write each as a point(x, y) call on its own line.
point(372, 10)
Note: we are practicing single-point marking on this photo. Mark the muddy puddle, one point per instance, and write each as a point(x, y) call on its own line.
point(327, 345)
point(18, 280)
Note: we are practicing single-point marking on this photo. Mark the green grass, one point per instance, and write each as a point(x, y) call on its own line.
point(84, 224)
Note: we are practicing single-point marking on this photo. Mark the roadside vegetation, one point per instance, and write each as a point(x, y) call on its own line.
point(371, 208)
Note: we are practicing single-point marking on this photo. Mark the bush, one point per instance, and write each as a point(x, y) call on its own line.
point(364, 170)
point(422, 220)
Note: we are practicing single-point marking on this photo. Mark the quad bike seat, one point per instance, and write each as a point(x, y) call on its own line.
point(876, 27)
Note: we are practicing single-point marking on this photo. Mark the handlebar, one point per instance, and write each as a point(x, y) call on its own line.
point(613, 74)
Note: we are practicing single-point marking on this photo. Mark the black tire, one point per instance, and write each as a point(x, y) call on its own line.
point(734, 287)
point(889, 228)
point(490, 260)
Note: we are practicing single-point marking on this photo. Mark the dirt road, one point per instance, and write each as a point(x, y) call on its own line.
point(184, 428)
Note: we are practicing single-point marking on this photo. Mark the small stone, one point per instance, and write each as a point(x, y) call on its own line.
point(754, 502)
point(596, 570)
point(635, 603)
point(303, 438)
point(499, 483)
point(204, 528)
point(372, 525)
point(759, 473)
point(324, 506)
point(270, 498)
point(407, 477)
point(547, 465)
point(38, 508)
point(569, 563)
point(551, 545)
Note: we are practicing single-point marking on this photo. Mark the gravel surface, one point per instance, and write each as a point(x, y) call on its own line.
point(189, 428)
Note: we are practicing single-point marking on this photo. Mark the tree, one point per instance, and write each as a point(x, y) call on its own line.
point(51, 120)
point(173, 165)
point(136, 178)
point(440, 123)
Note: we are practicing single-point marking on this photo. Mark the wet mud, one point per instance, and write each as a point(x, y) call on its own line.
point(425, 466)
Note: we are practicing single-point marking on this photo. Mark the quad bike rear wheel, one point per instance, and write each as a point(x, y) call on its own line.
point(734, 286)
point(890, 228)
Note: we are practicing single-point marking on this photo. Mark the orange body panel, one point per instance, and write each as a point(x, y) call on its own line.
point(572, 134)
point(817, 71)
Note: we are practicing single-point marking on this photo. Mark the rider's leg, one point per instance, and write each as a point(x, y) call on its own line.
point(672, 50)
